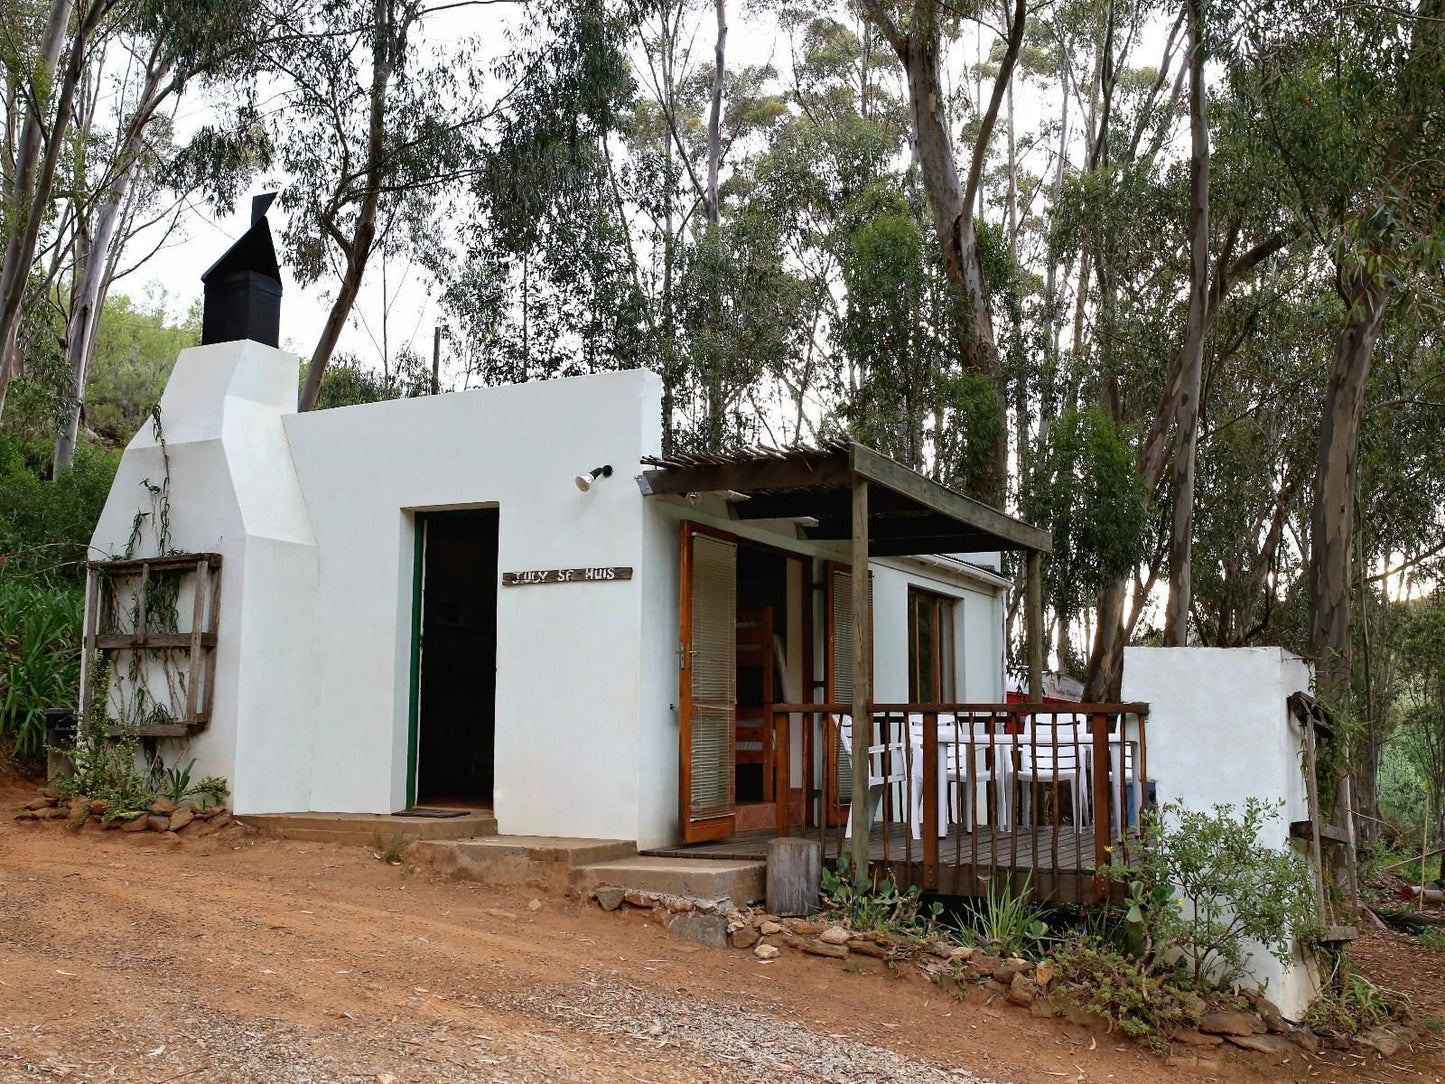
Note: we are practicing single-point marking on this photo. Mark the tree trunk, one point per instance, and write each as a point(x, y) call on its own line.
point(951, 201)
point(1186, 438)
point(714, 117)
point(1332, 517)
point(385, 50)
point(27, 193)
point(85, 312)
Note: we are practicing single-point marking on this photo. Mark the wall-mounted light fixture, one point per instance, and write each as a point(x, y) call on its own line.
point(584, 481)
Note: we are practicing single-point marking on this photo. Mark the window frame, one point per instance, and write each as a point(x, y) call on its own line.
point(942, 613)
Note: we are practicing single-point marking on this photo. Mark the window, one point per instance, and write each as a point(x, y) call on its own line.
point(931, 652)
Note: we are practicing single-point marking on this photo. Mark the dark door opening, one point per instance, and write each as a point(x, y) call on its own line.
point(457, 684)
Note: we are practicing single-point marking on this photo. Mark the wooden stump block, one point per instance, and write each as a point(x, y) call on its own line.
point(795, 868)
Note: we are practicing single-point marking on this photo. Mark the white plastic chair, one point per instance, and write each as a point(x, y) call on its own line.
point(975, 744)
point(887, 766)
point(1052, 752)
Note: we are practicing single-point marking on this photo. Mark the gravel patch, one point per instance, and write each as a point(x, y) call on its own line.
point(728, 1042)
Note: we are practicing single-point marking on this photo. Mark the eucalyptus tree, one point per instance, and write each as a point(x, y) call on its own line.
point(916, 30)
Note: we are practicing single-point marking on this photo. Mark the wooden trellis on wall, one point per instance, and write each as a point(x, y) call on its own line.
point(198, 643)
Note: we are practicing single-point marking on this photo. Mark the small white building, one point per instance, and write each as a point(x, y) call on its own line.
point(420, 606)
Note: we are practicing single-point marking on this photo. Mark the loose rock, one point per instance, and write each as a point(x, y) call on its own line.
point(163, 806)
point(1262, 1044)
point(609, 898)
point(823, 948)
point(180, 818)
point(136, 824)
point(765, 951)
point(38, 803)
point(1193, 1037)
point(745, 937)
point(157, 823)
point(834, 935)
point(769, 927)
point(1227, 1023)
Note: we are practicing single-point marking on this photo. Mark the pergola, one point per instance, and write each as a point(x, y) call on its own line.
point(844, 490)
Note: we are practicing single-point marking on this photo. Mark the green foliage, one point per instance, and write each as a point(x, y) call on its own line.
point(1204, 884)
point(111, 771)
point(1006, 923)
point(877, 907)
point(136, 344)
point(1101, 980)
point(40, 629)
point(45, 526)
point(1432, 939)
point(1092, 498)
point(1352, 1003)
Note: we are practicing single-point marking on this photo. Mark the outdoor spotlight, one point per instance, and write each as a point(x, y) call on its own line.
point(584, 481)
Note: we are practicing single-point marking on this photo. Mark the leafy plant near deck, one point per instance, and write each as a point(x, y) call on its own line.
point(1205, 885)
point(1104, 981)
point(111, 771)
point(875, 906)
point(1006, 923)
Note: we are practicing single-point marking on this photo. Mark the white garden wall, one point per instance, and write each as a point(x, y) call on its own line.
point(1219, 731)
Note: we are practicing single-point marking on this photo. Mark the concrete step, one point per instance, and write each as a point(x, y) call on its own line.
point(362, 829)
point(543, 861)
point(696, 878)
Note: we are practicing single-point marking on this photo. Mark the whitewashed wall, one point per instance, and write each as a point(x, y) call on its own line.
point(1219, 731)
point(569, 703)
point(233, 491)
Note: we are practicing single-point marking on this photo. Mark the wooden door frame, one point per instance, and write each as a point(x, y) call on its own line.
point(714, 828)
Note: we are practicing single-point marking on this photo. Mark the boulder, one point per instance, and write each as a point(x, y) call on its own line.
point(745, 937)
point(136, 824)
point(1022, 991)
point(764, 951)
point(868, 948)
point(98, 806)
point(834, 935)
point(163, 807)
point(1382, 1040)
point(1306, 1040)
point(1228, 1023)
point(1262, 1044)
point(39, 803)
point(823, 948)
point(770, 927)
point(804, 929)
point(180, 818)
point(710, 930)
point(1194, 1037)
point(609, 898)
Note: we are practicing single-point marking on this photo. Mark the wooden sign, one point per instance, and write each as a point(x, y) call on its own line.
point(566, 575)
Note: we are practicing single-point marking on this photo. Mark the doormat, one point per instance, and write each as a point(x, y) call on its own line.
point(427, 811)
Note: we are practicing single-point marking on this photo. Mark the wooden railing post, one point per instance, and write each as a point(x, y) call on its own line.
point(929, 769)
point(1099, 726)
point(782, 770)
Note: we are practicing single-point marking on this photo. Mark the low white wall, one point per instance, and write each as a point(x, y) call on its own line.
point(1220, 731)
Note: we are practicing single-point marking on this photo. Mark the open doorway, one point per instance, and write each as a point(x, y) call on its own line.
point(457, 659)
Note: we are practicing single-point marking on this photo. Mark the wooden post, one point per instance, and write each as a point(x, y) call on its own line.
point(862, 673)
point(795, 868)
point(1103, 823)
point(1034, 624)
point(929, 770)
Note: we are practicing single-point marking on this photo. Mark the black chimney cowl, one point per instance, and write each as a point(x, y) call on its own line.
point(243, 287)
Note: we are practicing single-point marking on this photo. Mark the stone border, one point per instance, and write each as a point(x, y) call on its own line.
point(1258, 1028)
point(162, 816)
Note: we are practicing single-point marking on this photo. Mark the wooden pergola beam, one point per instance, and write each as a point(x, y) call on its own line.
point(763, 474)
point(883, 471)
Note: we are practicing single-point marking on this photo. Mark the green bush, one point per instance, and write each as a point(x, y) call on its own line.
point(40, 630)
point(1205, 885)
point(1101, 980)
point(877, 907)
point(45, 526)
point(1352, 1003)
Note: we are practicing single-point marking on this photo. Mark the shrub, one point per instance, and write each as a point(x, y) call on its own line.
point(1005, 922)
point(878, 907)
point(108, 770)
point(1102, 980)
point(1352, 1003)
point(40, 630)
point(1205, 885)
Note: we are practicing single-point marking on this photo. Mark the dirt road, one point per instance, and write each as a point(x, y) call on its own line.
point(251, 960)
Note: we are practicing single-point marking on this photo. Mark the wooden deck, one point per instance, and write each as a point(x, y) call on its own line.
point(1058, 868)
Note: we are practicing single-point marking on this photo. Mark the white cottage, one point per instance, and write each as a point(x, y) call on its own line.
point(422, 604)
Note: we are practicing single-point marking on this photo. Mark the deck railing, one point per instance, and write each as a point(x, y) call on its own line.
point(962, 796)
